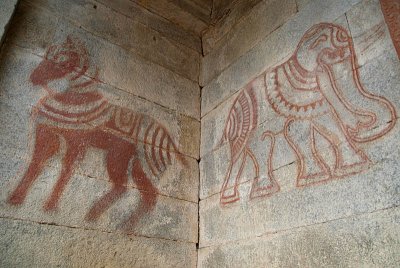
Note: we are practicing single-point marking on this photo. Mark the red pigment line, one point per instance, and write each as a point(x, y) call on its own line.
point(391, 12)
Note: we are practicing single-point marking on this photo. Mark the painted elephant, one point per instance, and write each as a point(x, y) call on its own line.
point(319, 94)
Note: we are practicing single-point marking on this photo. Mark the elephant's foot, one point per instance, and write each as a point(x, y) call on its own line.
point(351, 169)
point(309, 179)
point(263, 187)
point(350, 162)
point(313, 170)
point(229, 195)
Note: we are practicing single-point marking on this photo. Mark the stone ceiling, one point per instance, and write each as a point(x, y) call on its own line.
point(192, 15)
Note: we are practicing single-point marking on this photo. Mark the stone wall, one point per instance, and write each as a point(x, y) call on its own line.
point(7, 9)
point(99, 139)
point(103, 125)
point(299, 136)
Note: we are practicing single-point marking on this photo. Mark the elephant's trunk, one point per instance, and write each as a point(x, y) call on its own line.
point(365, 116)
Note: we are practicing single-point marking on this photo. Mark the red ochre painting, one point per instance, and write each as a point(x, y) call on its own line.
point(391, 12)
point(319, 94)
point(82, 117)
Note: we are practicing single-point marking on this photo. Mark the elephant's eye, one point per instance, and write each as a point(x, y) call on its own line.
point(342, 36)
point(320, 39)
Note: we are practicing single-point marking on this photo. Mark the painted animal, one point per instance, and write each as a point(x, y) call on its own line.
point(319, 93)
point(82, 117)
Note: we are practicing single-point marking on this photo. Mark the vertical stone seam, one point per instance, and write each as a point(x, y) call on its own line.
point(6, 28)
point(198, 160)
point(198, 163)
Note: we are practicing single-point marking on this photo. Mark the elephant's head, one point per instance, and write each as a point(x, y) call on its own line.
point(326, 52)
point(323, 44)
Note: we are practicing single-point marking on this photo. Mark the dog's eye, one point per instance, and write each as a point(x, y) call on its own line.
point(61, 58)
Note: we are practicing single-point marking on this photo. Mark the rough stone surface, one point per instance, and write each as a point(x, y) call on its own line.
point(171, 219)
point(370, 240)
point(330, 193)
point(36, 30)
point(18, 97)
point(266, 17)
point(376, 188)
point(270, 51)
point(302, 3)
point(370, 33)
point(220, 7)
point(378, 76)
point(200, 9)
point(348, 220)
point(31, 244)
point(105, 197)
point(17, 89)
point(171, 11)
point(127, 33)
point(6, 12)
point(223, 25)
point(165, 27)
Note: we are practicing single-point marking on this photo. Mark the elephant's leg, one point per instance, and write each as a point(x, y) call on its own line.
point(263, 184)
point(348, 159)
point(229, 191)
point(46, 145)
point(300, 135)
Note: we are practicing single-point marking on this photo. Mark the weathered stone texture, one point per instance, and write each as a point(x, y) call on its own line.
point(220, 7)
point(302, 3)
point(223, 25)
point(294, 207)
point(370, 32)
point(348, 220)
point(331, 189)
point(36, 30)
point(269, 52)
point(18, 90)
point(6, 12)
point(370, 240)
point(31, 244)
point(141, 213)
point(18, 98)
point(171, 219)
point(374, 189)
point(127, 33)
point(261, 21)
point(171, 11)
point(165, 27)
point(377, 76)
point(200, 9)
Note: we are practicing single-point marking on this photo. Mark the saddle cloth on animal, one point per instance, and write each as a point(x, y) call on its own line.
point(86, 111)
point(294, 92)
point(90, 110)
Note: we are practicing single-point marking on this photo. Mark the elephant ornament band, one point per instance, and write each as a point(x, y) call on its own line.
point(318, 93)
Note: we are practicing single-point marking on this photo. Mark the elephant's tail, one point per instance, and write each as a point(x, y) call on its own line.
point(242, 119)
point(270, 135)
